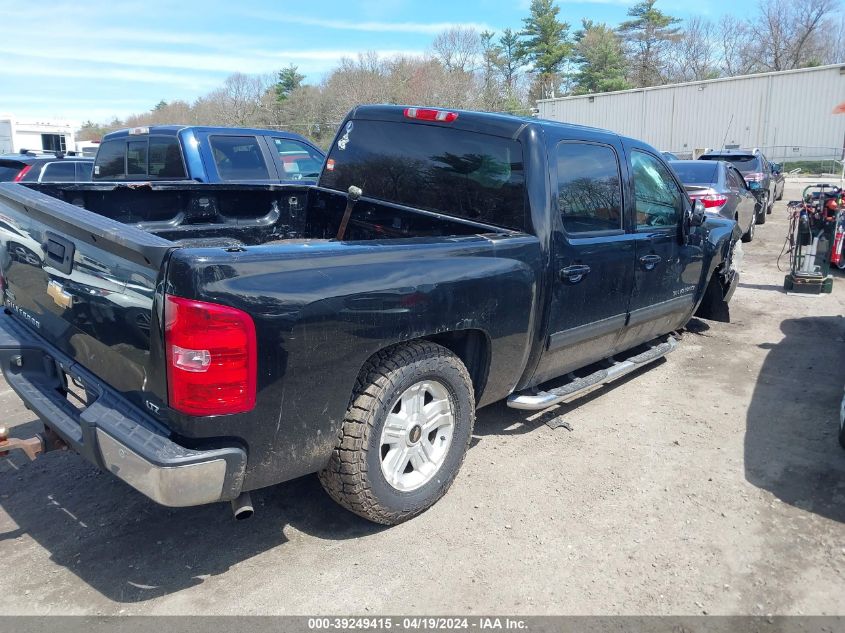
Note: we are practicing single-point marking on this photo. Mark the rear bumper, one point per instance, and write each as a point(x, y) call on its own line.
point(110, 432)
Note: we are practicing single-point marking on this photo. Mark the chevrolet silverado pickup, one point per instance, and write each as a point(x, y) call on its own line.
point(202, 341)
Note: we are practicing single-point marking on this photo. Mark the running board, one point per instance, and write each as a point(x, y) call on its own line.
point(534, 401)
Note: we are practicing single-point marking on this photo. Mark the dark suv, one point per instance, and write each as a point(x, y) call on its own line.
point(30, 166)
point(757, 172)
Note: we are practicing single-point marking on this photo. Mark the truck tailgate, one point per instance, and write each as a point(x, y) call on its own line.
point(84, 283)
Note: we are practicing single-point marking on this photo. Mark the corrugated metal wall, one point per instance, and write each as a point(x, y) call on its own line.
point(792, 108)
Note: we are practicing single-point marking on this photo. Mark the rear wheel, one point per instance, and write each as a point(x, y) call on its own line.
point(405, 433)
point(760, 212)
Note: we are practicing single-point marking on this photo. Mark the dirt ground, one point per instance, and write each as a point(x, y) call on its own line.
point(711, 482)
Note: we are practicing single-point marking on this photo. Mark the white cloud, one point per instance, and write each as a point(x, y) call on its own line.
point(421, 28)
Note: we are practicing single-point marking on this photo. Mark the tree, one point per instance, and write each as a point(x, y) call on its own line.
point(545, 43)
point(599, 58)
point(289, 79)
point(161, 105)
point(693, 55)
point(788, 33)
point(457, 48)
point(737, 43)
point(648, 37)
point(511, 58)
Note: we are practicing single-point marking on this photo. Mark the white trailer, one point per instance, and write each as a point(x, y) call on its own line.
point(17, 134)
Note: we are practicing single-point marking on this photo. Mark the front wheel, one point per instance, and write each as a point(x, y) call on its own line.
point(405, 433)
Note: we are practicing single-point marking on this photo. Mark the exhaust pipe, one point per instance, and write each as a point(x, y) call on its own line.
point(242, 507)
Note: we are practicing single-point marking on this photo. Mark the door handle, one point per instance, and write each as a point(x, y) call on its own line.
point(574, 274)
point(649, 262)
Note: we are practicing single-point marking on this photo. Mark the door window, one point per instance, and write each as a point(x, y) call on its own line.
point(589, 191)
point(299, 161)
point(735, 180)
point(660, 202)
point(238, 158)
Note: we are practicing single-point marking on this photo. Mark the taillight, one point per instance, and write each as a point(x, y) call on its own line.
point(430, 114)
point(21, 173)
point(711, 201)
point(211, 357)
point(755, 177)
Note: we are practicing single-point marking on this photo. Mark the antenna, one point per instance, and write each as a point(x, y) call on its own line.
point(727, 131)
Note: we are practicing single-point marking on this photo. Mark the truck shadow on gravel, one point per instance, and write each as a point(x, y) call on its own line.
point(130, 549)
point(791, 446)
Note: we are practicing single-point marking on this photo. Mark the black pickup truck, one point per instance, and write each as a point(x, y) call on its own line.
point(201, 341)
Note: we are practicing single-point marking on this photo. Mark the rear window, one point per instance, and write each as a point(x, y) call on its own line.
point(744, 163)
point(111, 160)
point(155, 158)
point(9, 169)
point(59, 172)
point(463, 174)
point(696, 173)
point(238, 158)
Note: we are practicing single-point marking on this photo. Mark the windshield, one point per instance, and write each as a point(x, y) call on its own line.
point(696, 173)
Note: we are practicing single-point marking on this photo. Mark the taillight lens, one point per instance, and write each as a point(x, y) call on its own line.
point(755, 177)
point(211, 357)
point(430, 114)
point(21, 173)
point(711, 201)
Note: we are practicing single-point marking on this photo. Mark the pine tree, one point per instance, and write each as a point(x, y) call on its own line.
point(648, 37)
point(545, 43)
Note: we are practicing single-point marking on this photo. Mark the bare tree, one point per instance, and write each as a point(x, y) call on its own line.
point(458, 49)
point(693, 55)
point(737, 43)
point(787, 32)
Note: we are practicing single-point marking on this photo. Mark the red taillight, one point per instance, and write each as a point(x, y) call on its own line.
point(211, 357)
point(710, 201)
point(21, 173)
point(430, 114)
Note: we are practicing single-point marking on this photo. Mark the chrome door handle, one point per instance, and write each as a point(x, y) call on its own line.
point(649, 262)
point(574, 274)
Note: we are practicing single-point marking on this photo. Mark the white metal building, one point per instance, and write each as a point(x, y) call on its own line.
point(18, 134)
point(787, 114)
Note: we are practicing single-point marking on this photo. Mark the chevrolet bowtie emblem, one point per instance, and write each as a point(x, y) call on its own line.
point(60, 297)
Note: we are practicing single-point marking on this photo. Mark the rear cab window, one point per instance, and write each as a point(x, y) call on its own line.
point(238, 157)
point(133, 158)
point(468, 175)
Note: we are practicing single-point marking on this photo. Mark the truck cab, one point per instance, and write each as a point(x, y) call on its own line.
point(206, 154)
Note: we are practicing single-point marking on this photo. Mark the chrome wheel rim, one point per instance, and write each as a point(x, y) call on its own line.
point(416, 435)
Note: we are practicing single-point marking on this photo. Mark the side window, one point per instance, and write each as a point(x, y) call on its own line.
point(166, 158)
point(299, 161)
point(238, 158)
point(59, 172)
point(660, 201)
point(136, 158)
point(736, 181)
point(589, 193)
point(110, 161)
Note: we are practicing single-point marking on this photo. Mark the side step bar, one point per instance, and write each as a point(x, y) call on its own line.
point(537, 400)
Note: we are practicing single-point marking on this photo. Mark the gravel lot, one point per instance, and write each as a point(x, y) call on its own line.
point(711, 482)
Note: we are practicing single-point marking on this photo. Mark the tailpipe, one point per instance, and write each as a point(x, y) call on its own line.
point(242, 507)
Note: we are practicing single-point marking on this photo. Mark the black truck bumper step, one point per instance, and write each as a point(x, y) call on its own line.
point(538, 400)
point(111, 432)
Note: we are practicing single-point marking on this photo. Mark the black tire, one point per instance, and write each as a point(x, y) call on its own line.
point(353, 476)
point(842, 423)
point(760, 216)
point(713, 306)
